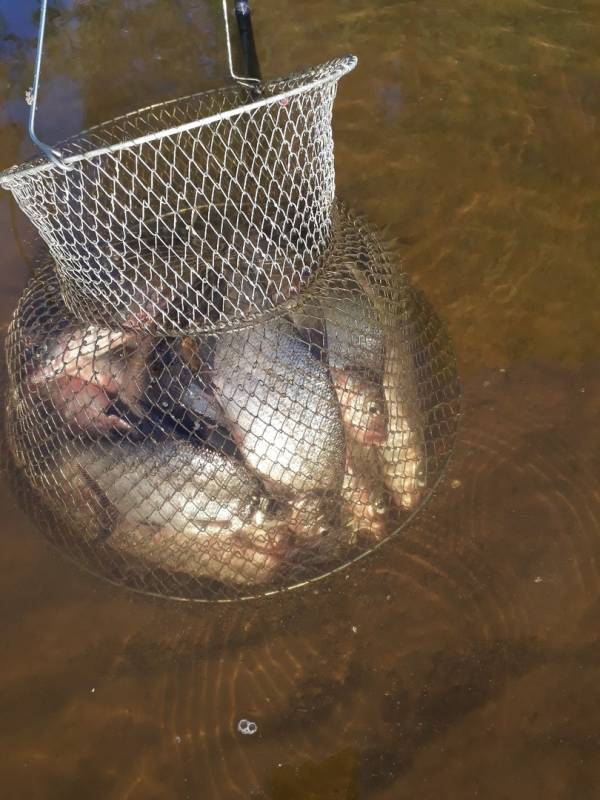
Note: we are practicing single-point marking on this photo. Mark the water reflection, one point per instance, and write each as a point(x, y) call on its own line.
point(480, 619)
point(460, 661)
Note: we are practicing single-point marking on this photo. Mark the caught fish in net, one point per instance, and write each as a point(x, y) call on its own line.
point(220, 384)
point(248, 460)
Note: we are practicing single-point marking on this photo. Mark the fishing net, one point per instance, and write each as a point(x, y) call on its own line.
point(200, 213)
point(219, 384)
point(229, 462)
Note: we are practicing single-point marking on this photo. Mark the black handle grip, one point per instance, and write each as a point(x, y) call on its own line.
point(244, 22)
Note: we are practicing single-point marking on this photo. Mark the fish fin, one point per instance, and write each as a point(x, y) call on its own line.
point(107, 513)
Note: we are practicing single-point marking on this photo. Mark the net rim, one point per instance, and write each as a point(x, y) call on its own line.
point(330, 72)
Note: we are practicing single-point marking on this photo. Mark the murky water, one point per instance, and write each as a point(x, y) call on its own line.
point(461, 659)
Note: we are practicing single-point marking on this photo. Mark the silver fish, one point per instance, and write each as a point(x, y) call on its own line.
point(179, 384)
point(281, 407)
point(338, 312)
point(403, 453)
point(181, 508)
point(355, 339)
point(346, 322)
point(362, 406)
point(359, 340)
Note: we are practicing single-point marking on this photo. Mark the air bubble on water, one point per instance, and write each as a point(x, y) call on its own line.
point(247, 727)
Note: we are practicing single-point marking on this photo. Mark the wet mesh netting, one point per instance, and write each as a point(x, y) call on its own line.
point(202, 212)
point(232, 462)
point(219, 383)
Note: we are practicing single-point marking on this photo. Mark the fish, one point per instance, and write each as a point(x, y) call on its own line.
point(179, 401)
point(361, 341)
point(366, 502)
point(355, 339)
point(281, 408)
point(193, 377)
point(83, 371)
point(362, 406)
point(179, 507)
point(422, 396)
point(403, 453)
point(341, 317)
point(375, 374)
point(307, 317)
point(338, 314)
point(178, 387)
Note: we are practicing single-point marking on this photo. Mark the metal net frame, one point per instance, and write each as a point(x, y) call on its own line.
point(200, 213)
point(234, 463)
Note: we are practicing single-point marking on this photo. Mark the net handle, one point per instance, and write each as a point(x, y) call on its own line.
point(50, 153)
point(251, 79)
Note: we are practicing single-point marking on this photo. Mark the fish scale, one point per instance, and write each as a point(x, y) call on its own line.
point(169, 494)
point(281, 406)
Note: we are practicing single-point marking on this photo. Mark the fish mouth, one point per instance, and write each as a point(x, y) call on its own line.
point(373, 434)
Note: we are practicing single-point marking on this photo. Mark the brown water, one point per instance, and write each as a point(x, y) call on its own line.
point(461, 660)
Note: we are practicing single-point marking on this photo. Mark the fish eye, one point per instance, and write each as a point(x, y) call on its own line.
point(380, 506)
point(261, 507)
point(267, 504)
point(374, 407)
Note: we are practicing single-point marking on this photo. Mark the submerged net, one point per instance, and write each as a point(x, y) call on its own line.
point(230, 463)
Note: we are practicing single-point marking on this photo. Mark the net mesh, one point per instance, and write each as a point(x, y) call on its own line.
point(230, 463)
point(201, 213)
